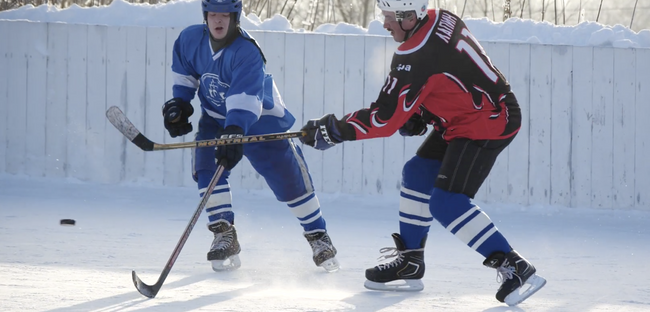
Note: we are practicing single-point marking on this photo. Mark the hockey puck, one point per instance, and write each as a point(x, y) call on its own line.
point(68, 222)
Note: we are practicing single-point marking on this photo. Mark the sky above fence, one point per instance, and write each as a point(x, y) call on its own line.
point(184, 13)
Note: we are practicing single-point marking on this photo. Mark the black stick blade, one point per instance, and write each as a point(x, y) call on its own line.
point(144, 289)
point(124, 125)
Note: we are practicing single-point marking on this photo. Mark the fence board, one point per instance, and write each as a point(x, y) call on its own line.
point(581, 127)
point(4, 80)
point(353, 100)
point(642, 140)
point(373, 149)
point(173, 172)
point(333, 104)
point(560, 129)
point(313, 104)
point(539, 179)
point(154, 97)
point(518, 153)
point(55, 120)
point(624, 124)
point(36, 51)
point(115, 143)
point(76, 109)
point(602, 128)
point(17, 96)
point(97, 127)
point(136, 48)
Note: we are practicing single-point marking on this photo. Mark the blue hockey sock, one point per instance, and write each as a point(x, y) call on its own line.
point(467, 222)
point(219, 205)
point(418, 177)
point(307, 209)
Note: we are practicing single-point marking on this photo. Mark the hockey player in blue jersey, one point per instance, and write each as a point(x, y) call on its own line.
point(239, 98)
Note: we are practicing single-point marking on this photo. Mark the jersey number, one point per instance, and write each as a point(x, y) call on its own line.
point(464, 46)
point(390, 84)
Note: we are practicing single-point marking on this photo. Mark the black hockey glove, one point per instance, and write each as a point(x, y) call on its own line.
point(414, 126)
point(232, 154)
point(176, 113)
point(321, 134)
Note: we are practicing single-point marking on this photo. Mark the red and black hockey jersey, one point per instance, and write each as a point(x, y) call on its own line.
point(444, 70)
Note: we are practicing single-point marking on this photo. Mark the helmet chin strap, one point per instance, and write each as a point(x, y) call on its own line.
point(402, 27)
point(410, 32)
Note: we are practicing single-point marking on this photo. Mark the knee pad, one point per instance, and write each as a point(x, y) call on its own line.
point(418, 177)
point(419, 174)
point(446, 207)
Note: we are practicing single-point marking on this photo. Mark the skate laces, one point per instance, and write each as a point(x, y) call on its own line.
point(319, 245)
point(394, 252)
point(222, 240)
point(506, 272)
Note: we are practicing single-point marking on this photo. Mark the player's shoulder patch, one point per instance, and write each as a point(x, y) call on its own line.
point(422, 36)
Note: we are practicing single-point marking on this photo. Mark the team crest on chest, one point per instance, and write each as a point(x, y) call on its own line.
point(214, 89)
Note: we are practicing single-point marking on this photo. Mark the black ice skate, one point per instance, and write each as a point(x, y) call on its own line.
point(324, 251)
point(513, 271)
point(224, 252)
point(402, 274)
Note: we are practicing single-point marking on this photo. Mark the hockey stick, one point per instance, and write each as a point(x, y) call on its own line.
point(151, 290)
point(124, 125)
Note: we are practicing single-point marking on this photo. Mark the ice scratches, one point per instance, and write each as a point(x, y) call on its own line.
point(635, 302)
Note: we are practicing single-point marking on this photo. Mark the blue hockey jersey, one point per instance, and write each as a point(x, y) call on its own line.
point(232, 83)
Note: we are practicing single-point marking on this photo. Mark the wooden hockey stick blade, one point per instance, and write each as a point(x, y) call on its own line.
point(124, 125)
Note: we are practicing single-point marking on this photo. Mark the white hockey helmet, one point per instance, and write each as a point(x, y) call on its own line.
point(401, 6)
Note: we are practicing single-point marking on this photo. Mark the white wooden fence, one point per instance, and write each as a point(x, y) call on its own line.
point(584, 140)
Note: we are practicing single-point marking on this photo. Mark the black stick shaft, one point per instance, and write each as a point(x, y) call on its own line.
point(151, 291)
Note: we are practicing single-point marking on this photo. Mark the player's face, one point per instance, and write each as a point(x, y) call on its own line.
point(218, 24)
point(392, 25)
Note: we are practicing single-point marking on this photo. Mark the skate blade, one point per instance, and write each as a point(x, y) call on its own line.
point(397, 285)
point(232, 263)
point(330, 265)
point(534, 284)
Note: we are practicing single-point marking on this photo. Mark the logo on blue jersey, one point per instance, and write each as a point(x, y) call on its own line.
point(214, 89)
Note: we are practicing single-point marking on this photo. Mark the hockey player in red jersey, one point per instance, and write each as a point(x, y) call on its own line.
point(440, 76)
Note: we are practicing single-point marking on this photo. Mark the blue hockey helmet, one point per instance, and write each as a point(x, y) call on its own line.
point(222, 6)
